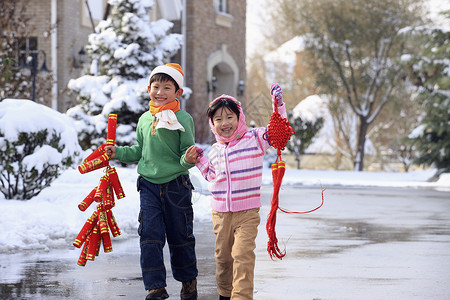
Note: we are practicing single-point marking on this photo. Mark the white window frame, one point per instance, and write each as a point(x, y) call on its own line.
point(221, 6)
point(223, 18)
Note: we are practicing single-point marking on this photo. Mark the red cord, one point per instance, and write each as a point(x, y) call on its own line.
point(305, 212)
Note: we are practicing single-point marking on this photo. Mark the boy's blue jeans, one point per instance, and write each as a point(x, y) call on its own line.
point(166, 212)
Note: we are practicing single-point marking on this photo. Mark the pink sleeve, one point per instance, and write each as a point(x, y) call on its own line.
point(206, 169)
point(282, 111)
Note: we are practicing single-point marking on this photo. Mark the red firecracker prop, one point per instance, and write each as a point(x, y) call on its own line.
point(278, 133)
point(97, 229)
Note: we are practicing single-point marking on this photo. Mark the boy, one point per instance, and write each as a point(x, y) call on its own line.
point(163, 135)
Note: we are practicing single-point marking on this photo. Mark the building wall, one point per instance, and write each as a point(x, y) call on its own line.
point(203, 38)
point(206, 37)
point(40, 27)
point(72, 36)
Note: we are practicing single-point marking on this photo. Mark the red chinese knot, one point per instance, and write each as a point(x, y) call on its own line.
point(278, 133)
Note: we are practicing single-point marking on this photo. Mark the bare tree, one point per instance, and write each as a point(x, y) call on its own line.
point(355, 48)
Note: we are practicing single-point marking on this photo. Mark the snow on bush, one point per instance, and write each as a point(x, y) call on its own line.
point(36, 144)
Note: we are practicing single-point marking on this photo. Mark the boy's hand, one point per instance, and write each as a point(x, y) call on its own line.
point(110, 151)
point(193, 155)
point(277, 93)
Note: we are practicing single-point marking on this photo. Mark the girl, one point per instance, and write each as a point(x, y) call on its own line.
point(234, 169)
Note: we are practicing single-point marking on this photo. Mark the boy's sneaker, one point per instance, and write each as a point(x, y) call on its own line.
point(189, 290)
point(157, 294)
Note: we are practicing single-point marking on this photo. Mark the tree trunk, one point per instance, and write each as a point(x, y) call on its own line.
point(359, 159)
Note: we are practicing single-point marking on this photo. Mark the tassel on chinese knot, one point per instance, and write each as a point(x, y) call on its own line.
point(97, 229)
point(278, 133)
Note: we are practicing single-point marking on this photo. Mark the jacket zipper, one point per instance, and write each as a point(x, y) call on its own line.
point(227, 170)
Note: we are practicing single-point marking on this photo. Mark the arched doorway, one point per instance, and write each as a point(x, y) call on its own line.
point(222, 74)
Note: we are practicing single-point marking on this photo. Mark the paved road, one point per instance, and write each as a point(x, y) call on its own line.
point(365, 243)
point(115, 275)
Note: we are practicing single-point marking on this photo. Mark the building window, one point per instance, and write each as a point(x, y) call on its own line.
point(26, 46)
point(221, 6)
point(92, 12)
point(168, 9)
point(223, 18)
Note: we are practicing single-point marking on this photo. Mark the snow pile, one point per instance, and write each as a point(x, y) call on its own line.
point(17, 116)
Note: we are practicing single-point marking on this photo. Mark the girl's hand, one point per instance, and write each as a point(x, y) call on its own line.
point(110, 151)
point(193, 155)
point(277, 93)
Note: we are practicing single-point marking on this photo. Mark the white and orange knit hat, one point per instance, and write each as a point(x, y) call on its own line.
point(173, 70)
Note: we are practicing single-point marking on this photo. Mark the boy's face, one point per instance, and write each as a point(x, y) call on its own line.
point(162, 93)
point(225, 122)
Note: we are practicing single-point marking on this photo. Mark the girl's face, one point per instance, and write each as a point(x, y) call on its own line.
point(162, 93)
point(225, 122)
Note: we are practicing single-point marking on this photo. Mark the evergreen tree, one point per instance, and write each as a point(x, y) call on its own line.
point(124, 50)
point(430, 71)
point(304, 133)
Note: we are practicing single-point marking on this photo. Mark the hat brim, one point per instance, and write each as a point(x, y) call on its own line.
point(176, 75)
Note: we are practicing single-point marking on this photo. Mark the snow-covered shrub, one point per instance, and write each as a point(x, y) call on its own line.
point(36, 144)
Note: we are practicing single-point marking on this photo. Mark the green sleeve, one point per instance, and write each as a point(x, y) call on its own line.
point(131, 154)
point(187, 139)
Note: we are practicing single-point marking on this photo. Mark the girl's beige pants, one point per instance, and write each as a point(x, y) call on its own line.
point(234, 251)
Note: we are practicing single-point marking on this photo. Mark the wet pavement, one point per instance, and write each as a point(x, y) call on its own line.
point(115, 275)
point(364, 243)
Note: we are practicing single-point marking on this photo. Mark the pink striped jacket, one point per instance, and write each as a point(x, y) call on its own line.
point(234, 170)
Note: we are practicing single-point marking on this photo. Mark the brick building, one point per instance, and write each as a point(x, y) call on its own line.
point(213, 54)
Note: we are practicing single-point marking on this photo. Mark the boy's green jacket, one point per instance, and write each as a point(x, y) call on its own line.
point(160, 157)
